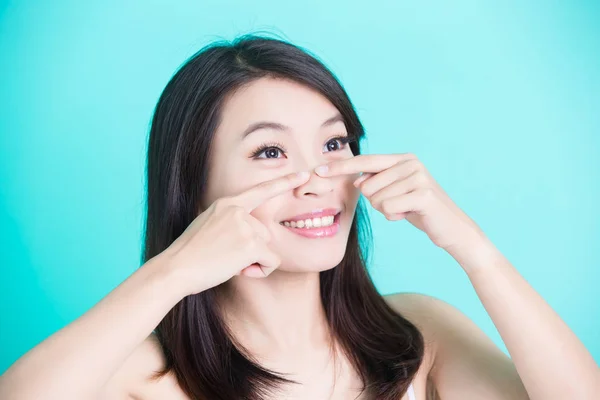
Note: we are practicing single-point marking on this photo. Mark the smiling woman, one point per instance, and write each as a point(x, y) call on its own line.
point(293, 116)
point(254, 283)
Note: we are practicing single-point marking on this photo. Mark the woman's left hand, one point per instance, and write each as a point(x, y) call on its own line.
point(400, 187)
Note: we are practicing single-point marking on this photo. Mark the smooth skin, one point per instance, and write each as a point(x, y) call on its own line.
point(275, 311)
point(551, 362)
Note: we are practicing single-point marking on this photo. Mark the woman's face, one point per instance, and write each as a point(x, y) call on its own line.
point(305, 140)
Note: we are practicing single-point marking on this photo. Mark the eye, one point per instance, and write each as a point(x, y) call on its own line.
point(274, 150)
point(337, 143)
point(268, 151)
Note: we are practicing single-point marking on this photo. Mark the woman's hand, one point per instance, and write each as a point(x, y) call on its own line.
point(400, 187)
point(225, 240)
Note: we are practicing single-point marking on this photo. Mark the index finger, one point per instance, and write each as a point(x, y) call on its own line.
point(369, 163)
point(255, 196)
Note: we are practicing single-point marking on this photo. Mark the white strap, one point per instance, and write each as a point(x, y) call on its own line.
point(411, 393)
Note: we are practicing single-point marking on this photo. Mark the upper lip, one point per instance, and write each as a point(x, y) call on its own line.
point(316, 213)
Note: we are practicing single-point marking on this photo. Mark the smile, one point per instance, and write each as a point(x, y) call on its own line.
point(316, 227)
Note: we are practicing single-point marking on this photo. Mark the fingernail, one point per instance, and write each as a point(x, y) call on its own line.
point(302, 174)
point(322, 170)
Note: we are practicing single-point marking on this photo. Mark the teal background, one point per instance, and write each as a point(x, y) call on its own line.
point(499, 99)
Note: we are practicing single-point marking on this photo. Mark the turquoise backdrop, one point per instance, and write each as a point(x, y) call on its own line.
point(499, 99)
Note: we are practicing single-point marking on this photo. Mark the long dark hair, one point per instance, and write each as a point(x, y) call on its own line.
point(385, 349)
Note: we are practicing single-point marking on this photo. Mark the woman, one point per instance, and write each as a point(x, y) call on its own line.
point(254, 283)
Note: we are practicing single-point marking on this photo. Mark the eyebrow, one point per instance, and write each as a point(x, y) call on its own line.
point(283, 128)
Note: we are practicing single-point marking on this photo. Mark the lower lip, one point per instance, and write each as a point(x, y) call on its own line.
point(315, 233)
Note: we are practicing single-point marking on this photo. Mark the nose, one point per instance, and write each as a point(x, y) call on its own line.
point(316, 186)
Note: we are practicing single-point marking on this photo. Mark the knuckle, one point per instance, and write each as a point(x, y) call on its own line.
point(276, 261)
point(249, 244)
point(385, 207)
point(421, 179)
point(399, 168)
point(427, 194)
point(415, 165)
point(376, 202)
point(238, 212)
point(289, 177)
point(366, 190)
point(222, 204)
point(267, 185)
point(267, 236)
point(387, 214)
point(247, 233)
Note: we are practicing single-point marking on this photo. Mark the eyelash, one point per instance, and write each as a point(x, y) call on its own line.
point(344, 140)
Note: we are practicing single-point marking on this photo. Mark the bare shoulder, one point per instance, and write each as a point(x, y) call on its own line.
point(432, 316)
point(423, 311)
point(134, 380)
point(417, 308)
point(437, 319)
point(462, 359)
point(440, 321)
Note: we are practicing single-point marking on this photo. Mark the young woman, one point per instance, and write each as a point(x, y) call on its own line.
point(254, 283)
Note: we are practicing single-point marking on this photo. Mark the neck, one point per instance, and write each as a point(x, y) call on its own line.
point(281, 313)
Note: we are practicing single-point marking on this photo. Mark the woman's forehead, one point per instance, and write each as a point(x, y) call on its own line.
point(280, 101)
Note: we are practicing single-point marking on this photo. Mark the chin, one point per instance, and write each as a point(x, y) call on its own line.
point(312, 263)
point(306, 268)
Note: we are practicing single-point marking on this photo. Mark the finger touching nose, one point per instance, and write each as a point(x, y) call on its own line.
point(316, 185)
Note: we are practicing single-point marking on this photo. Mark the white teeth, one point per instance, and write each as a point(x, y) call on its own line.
point(311, 222)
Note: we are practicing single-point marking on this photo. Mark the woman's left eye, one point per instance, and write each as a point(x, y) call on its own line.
point(337, 143)
point(268, 152)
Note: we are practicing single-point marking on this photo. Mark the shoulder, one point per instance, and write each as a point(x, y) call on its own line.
point(428, 313)
point(462, 359)
point(441, 323)
point(435, 316)
point(421, 310)
point(424, 312)
point(135, 377)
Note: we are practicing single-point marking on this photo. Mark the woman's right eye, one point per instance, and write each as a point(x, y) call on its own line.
point(268, 152)
point(271, 152)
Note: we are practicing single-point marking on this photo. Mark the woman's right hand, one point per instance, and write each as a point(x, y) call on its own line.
point(225, 240)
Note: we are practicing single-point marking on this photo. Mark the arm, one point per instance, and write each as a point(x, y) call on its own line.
point(552, 362)
point(74, 362)
point(78, 361)
point(465, 363)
